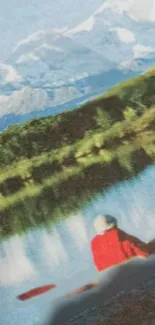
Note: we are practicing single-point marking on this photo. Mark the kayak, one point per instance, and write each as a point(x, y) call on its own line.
point(40, 290)
point(82, 289)
point(35, 292)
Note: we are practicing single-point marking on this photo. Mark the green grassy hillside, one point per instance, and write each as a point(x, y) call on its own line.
point(50, 167)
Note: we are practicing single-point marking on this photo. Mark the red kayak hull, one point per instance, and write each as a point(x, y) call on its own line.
point(35, 292)
point(82, 289)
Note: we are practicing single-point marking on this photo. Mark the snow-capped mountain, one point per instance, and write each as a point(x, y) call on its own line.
point(45, 71)
point(117, 31)
point(54, 67)
point(53, 57)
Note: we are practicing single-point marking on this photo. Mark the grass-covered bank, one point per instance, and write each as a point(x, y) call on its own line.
point(50, 167)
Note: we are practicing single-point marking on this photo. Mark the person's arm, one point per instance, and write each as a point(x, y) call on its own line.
point(138, 247)
point(151, 247)
point(139, 251)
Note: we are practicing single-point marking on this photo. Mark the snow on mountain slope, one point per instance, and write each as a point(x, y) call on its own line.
point(141, 51)
point(117, 28)
point(54, 59)
point(57, 62)
point(110, 41)
point(49, 65)
point(53, 66)
point(136, 9)
point(36, 38)
point(125, 35)
point(85, 26)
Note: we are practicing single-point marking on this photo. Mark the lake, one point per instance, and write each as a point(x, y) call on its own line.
point(61, 254)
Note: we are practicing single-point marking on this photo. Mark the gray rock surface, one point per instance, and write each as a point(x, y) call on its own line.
point(132, 307)
point(118, 300)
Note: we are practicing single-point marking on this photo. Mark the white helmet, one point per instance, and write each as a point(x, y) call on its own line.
point(104, 222)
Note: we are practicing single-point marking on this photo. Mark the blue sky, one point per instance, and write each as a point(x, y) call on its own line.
point(20, 18)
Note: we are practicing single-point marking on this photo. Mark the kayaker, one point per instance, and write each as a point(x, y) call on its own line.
point(112, 245)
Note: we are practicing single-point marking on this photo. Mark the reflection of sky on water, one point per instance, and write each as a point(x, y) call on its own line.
point(62, 254)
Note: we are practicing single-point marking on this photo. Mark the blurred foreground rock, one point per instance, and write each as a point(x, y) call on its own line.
point(121, 297)
point(132, 307)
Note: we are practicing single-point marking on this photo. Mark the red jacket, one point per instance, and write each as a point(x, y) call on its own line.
point(114, 247)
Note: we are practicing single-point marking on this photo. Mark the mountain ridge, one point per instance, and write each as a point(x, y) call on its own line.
point(107, 80)
point(112, 40)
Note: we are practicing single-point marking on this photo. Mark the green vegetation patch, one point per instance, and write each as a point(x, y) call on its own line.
point(50, 167)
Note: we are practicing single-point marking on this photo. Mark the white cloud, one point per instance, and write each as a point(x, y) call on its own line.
point(28, 99)
point(23, 101)
point(64, 94)
point(78, 77)
point(9, 73)
point(125, 35)
point(141, 51)
point(126, 65)
point(15, 266)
